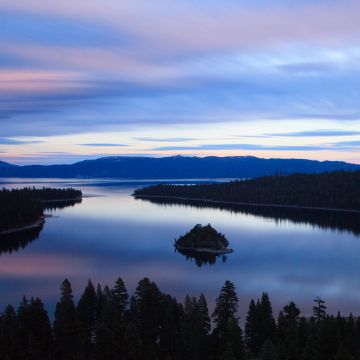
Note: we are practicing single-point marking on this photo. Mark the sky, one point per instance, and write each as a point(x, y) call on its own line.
point(83, 79)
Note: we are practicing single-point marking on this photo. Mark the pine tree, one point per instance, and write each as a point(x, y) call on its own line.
point(225, 309)
point(39, 331)
point(319, 309)
point(343, 353)
point(288, 331)
point(148, 312)
point(235, 338)
point(266, 320)
point(87, 309)
point(228, 354)
point(120, 295)
point(204, 317)
point(171, 335)
point(9, 335)
point(109, 336)
point(328, 337)
point(268, 351)
point(66, 325)
point(132, 342)
point(251, 328)
point(310, 351)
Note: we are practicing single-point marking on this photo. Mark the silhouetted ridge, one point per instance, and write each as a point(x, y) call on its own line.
point(180, 167)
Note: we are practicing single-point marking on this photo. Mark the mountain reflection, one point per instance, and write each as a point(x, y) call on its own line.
point(323, 219)
point(201, 258)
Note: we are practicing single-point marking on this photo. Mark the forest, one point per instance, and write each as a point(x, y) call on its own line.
point(22, 207)
point(108, 323)
point(338, 190)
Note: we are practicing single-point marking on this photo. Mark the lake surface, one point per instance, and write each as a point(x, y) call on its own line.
point(111, 234)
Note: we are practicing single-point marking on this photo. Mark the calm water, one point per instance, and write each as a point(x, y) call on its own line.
point(110, 234)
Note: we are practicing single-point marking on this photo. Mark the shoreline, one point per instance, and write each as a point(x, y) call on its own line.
point(247, 204)
point(61, 200)
point(204, 250)
point(36, 224)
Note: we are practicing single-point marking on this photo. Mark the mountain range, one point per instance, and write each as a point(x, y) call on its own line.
point(180, 167)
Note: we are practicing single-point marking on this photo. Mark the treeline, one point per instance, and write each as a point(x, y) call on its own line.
point(22, 207)
point(109, 324)
point(338, 189)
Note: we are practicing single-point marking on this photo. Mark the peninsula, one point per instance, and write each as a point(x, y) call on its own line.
point(337, 190)
point(22, 209)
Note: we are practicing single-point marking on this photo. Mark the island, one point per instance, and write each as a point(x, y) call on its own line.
point(22, 209)
point(203, 239)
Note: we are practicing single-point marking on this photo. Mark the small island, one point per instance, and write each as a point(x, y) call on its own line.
point(203, 239)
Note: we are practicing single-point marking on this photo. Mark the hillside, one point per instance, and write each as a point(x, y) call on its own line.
point(179, 167)
point(337, 190)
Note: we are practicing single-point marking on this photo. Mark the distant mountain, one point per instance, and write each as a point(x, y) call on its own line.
point(181, 167)
point(6, 165)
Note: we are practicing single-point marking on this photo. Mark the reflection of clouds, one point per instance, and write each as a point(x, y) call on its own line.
point(42, 266)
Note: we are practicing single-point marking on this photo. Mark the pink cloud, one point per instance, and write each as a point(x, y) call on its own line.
point(180, 26)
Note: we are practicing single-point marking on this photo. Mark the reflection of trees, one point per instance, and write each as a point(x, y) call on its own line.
point(15, 241)
point(201, 258)
point(324, 219)
point(18, 240)
point(58, 205)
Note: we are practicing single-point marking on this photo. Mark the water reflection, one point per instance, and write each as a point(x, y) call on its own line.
point(110, 234)
point(201, 258)
point(323, 219)
point(60, 204)
point(19, 240)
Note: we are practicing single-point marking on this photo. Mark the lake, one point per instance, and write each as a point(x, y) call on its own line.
point(293, 255)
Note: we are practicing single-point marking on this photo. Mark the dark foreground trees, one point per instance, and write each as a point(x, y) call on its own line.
point(108, 324)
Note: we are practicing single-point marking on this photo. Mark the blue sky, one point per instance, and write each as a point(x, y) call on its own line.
point(268, 78)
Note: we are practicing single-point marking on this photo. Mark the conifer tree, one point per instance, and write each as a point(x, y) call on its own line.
point(228, 354)
point(319, 309)
point(132, 343)
point(148, 312)
point(109, 337)
point(39, 331)
point(251, 328)
point(268, 351)
point(310, 351)
point(266, 320)
point(120, 295)
point(225, 309)
point(9, 335)
point(87, 309)
point(343, 353)
point(66, 325)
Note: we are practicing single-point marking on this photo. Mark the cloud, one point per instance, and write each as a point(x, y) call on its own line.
point(242, 147)
point(9, 141)
point(165, 139)
point(306, 67)
point(317, 133)
point(102, 144)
